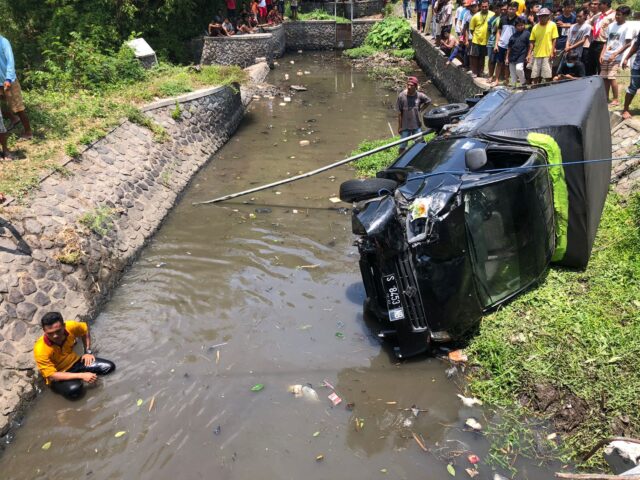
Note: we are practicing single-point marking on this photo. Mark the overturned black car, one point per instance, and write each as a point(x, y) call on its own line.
point(465, 222)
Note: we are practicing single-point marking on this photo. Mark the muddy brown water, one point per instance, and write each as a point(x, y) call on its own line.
point(274, 290)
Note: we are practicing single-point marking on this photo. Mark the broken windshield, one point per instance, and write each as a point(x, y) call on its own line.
point(445, 155)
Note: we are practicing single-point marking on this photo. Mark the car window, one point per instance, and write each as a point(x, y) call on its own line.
point(509, 233)
point(440, 155)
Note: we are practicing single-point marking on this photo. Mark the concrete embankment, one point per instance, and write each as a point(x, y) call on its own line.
point(66, 247)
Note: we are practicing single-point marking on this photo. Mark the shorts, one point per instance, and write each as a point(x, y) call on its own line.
point(501, 56)
point(477, 50)
point(3, 129)
point(262, 11)
point(541, 67)
point(13, 97)
point(493, 56)
point(609, 69)
point(634, 83)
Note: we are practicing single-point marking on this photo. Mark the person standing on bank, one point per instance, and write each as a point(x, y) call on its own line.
point(542, 47)
point(60, 366)
point(409, 104)
point(11, 91)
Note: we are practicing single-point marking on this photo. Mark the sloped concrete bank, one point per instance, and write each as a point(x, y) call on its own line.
point(68, 246)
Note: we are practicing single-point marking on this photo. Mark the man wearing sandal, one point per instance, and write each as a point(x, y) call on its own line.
point(11, 92)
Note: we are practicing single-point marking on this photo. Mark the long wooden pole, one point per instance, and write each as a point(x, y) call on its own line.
point(314, 172)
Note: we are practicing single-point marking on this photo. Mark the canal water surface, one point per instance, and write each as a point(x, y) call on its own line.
point(268, 293)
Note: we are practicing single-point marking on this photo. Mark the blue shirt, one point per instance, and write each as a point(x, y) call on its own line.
point(7, 63)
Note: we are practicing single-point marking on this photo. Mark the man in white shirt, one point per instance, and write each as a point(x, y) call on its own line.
point(619, 36)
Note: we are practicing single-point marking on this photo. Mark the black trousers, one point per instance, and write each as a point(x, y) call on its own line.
point(593, 67)
point(73, 389)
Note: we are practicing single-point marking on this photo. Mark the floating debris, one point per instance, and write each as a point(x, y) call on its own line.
point(469, 401)
point(257, 387)
point(46, 446)
point(458, 356)
point(473, 424)
point(120, 433)
point(304, 391)
point(335, 399)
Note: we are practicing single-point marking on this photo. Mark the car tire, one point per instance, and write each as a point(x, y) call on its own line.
point(357, 190)
point(438, 117)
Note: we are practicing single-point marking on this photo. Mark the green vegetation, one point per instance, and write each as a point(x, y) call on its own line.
point(176, 113)
point(35, 26)
point(65, 117)
point(318, 14)
point(99, 220)
point(370, 165)
point(576, 336)
point(134, 115)
point(392, 35)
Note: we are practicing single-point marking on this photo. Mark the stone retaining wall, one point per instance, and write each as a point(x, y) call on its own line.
point(359, 31)
point(134, 180)
point(625, 141)
point(244, 49)
point(311, 35)
point(451, 80)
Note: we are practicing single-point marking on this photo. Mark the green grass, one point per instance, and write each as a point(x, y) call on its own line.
point(364, 51)
point(64, 120)
point(578, 332)
point(99, 220)
point(370, 165)
point(321, 15)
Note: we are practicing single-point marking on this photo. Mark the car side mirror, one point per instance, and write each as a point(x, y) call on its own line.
point(475, 159)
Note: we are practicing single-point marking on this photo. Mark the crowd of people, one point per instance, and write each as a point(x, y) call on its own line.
point(523, 42)
point(250, 17)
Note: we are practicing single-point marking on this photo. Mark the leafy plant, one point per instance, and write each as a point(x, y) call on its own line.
point(392, 32)
point(176, 113)
point(71, 149)
point(99, 220)
point(81, 64)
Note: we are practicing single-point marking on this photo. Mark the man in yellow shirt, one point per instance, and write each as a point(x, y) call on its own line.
point(59, 365)
point(479, 28)
point(542, 47)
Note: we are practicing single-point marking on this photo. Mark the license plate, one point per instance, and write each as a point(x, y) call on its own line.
point(394, 306)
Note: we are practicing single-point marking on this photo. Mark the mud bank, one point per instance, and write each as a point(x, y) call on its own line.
point(66, 248)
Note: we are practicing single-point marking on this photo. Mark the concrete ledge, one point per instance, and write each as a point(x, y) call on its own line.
point(187, 97)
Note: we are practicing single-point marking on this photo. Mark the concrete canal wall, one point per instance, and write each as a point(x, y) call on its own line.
point(50, 260)
point(243, 50)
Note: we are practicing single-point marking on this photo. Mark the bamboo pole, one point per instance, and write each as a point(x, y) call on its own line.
point(314, 172)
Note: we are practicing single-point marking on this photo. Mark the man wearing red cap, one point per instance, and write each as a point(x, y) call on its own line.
point(409, 104)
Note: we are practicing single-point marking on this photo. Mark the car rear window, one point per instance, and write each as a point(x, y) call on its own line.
point(445, 155)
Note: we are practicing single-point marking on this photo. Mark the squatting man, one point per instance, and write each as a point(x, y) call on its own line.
point(61, 367)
